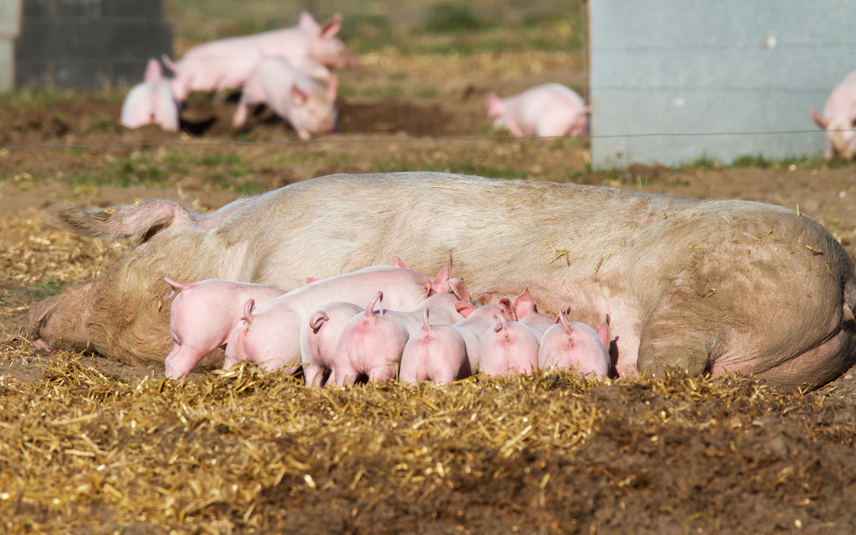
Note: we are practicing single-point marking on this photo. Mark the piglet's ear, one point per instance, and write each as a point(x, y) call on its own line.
point(307, 22)
point(821, 121)
point(153, 71)
point(495, 105)
point(248, 311)
point(399, 263)
point(464, 308)
point(523, 305)
point(460, 290)
point(331, 27)
point(507, 309)
point(298, 97)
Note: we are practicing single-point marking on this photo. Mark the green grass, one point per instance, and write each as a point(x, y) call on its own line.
point(46, 289)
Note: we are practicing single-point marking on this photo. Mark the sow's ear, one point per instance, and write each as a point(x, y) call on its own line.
point(130, 220)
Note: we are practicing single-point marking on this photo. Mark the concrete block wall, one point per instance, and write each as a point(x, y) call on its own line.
point(88, 44)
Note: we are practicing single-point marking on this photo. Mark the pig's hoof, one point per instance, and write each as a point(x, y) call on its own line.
point(41, 344)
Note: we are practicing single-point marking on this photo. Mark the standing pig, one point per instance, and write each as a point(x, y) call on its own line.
point(363, 349)
point(705, 286)
point(509, 348)
point(271, 336)
point(203, 316)
point(227, 63)
point(549, 110)
point(292, 95)
point(151, 102)
point(446, 353)
point(570, 345)
point(839, 119)
point(318, 338)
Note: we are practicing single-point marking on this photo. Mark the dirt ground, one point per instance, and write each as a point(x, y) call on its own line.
point(676, 455)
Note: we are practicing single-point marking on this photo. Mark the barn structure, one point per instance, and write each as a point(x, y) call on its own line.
point(79, 44)
point(675, 80)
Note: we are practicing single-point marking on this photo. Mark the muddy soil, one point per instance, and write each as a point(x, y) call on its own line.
point(734, 466)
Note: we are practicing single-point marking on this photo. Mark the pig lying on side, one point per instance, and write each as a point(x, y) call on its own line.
point(839, 120)
point(227, 63)
point(151, 102)
point(270, 334)
point(292, 95)
point(548, 110)
point(203, 316)
point(762, 290)
point(570, 345)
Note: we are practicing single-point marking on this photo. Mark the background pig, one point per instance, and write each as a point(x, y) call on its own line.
point(318, 338)
point(203, 315)
point(839, 118)
point(570, 345)
point(445, 353)
point(292, 95)
point(508, 348)
point(770, 314)
point(227, 63)
point(272, 336)
point(370, 346)
point(151, 102)
point(544, 111)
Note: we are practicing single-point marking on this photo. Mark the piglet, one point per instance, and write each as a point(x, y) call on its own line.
point(527, 314)
point(319, 337)
point(445, 353)
point(509, 348)
point(203, 316)
point(292, 95)
point(151, 102)
point(270, 334)
point(570, 345)
point(548, 110)
point(370, 346)
point(227, 63)
point(362, 345)
point(839, 119)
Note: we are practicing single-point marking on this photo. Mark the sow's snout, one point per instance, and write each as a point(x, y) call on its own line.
point(59, 322)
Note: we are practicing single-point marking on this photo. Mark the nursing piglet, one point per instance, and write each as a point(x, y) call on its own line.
point(548, 110)
point(203, 316)
point(291, 94)
point(151, 102)
point(570, 345)
point(319, 337)
point(270, 334)
point(363, 349)
point(446, 353)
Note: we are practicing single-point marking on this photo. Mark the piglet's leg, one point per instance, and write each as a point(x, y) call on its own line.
point(386, 372)
point(314, 374)
point(346, 375)
point(408, 372)
point(181, 360)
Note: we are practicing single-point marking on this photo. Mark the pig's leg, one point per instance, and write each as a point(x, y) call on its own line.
point(385, 372)
point(314, 374)
point(666, 342)
point(240, 117)
point(408, 372)
point(181, 360)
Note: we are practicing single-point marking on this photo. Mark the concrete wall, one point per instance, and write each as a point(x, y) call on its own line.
point(726, 67)
point(88, 44)
point(10, 23)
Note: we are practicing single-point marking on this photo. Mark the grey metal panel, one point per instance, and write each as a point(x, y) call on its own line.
point(85, 44)
point(692, 66)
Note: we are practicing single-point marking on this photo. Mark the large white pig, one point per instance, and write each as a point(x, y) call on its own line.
point(705, 286)
point(839, 119)
point(291, 94)
point(151, 102)
point(549, 110)
point(226, 63)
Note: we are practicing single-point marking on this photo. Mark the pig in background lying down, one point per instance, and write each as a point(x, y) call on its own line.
point(227, 63)
point(712, 286)
point(151, 102)
point(838, 119)
point(291, 94)
point(549, 110)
